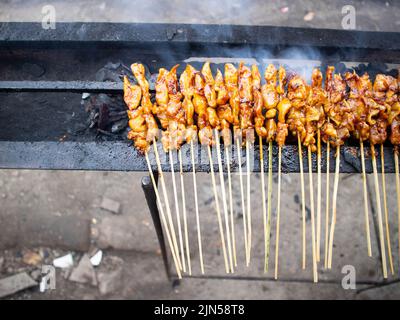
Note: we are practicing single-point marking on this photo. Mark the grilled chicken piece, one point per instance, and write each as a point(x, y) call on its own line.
point(221, 89)
point(132, 94)
point(259, 110)
point(231, 83)
point(360, 89)
point(296, 118)
point(186, 83)
point(141, 121)
point(282, 127)
point(139, 73)
point(209, 90)
point(246, 99)
point(269, 91)
point(162, 99)
point(337, 110)
point(200, 107)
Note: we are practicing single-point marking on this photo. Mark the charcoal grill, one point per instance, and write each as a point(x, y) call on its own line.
point(44, 72)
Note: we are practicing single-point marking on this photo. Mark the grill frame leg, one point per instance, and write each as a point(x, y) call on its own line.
point(151, 200)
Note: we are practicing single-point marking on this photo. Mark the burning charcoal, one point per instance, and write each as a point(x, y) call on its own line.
point(113, 66)
point(119, 125)
point(33, 69)
point(103, 117)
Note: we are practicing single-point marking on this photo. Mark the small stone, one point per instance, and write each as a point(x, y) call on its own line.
point(64, 262)
point(31, 258)
point(309, 16)
point(110, 275)
point(96, 258)
point(15, 283)
point(84, 272)
point(110, 205)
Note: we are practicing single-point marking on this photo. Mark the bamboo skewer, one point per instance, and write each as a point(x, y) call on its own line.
point(185, 225)
point(380, 222)
point(242, 197)
point(386, 211)
point(303, 204)
point(367, 231)
point(278, 212)
point(264, 209)
point(197, 208)
point(318, 195)
point(228, 166)
point(249, 233)
point(314, 249)
point(269, 195)
point(396, 163)
point(224, 204)
point(169, 215)
point(334, 202)
point(221, 229)
point(327, 205)
point(177, 211)
point(164, 221)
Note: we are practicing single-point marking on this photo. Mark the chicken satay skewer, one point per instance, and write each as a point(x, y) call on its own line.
point(206, 138)
point(314, 118)
point(270, 99)
point(224, 112)
point(297, 94)
point(360, 88)
point(246, 125)
point(385, 93)
point(342, 119)
point(211, 96)
point(384, 99)
point(259, 123)
point(186, 84)
point(389, 247)
point(281, 134)
point(143, 128)
point(173, 140)
point(231, 83)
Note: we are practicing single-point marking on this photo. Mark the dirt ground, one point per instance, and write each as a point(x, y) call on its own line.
point(52, 213)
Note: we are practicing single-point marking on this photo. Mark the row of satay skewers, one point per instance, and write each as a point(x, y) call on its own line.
point(199, 105)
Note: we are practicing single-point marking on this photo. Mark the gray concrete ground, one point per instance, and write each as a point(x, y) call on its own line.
point(58, 212)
